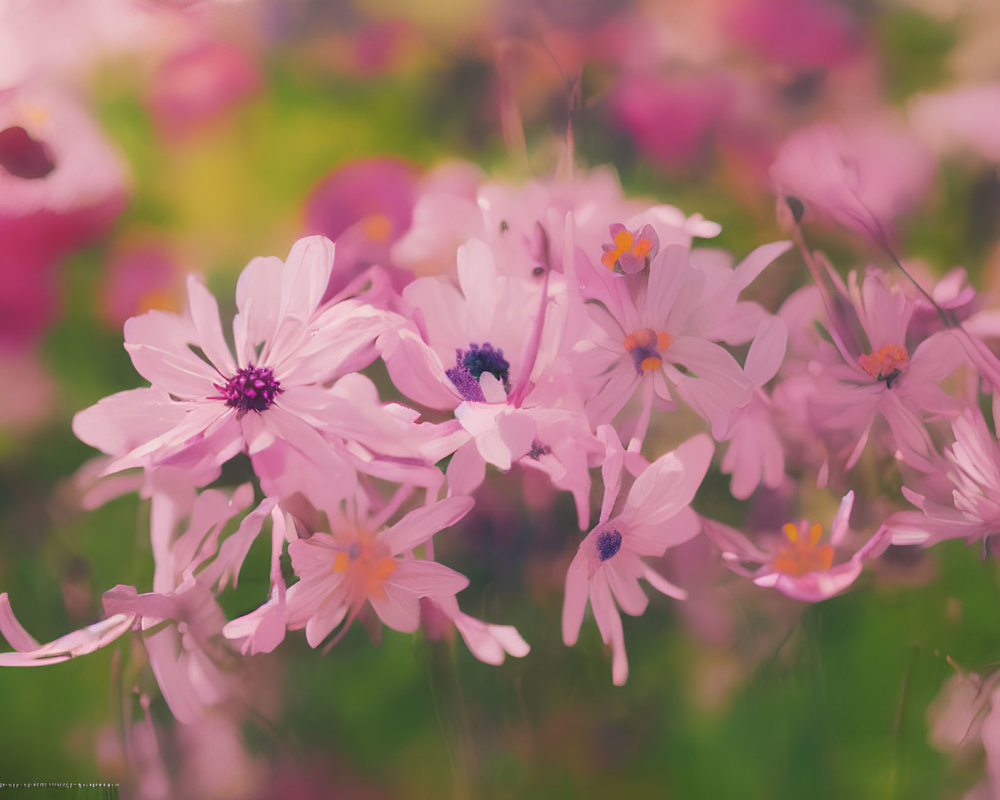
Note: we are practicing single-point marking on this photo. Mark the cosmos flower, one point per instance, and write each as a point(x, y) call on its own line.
point(801, 565)
point(271, 400)
point(608, 564)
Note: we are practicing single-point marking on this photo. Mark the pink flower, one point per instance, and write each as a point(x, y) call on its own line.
point(962, 495)
point(199, 84)
point(661, 329)
point(862, 178)
point(608, 564)
point(205, 405)
point(801, 565)
point(888, 377)
point(361, 565)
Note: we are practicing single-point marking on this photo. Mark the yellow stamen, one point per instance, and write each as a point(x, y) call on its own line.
point(802, 554)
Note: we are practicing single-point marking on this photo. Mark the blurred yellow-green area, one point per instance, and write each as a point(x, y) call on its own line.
point(795, 701)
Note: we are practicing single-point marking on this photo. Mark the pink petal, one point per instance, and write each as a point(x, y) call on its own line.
point(421, 524)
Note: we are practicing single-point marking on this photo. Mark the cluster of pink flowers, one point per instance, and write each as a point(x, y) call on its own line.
point(556, 328)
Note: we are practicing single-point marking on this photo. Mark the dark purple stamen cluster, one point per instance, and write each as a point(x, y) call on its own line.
point(608, 544)
point(250, 389)
point(22, 156)
point(471, 364)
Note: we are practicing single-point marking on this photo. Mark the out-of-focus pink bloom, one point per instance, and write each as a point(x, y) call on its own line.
point(863, 176)
point(802, 566)
point(365, 207)
point(29, 391)
point(672, 121)
point(663, 327)
point(799, 34)
point(885, 378)
point(967, 118)
point(361, 565)
point(608, 564)
point(962, 496)
point(141, 276)
point(199, 84)
point(61, 183)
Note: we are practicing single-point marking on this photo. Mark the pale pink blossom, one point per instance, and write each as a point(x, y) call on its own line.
point(801, 564)
point(609, 562)
point(271, 400)
point(361, 565)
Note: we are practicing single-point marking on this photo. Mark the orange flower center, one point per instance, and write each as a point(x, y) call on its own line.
point(367, 563)
point(625, 242)
point(803, 553)
point(645, 346)
point(886, 364)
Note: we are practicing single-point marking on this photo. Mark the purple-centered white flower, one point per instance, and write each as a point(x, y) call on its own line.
point(271, 399)
point(655, 515)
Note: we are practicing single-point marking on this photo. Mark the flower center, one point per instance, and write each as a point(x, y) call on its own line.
point(250, 389)
point(608, 544)
point(803, 553)
point(368, 563)
point(22, 156)
point(645, 346)
point(472, 363)
point(629, 252)
point(886, 364)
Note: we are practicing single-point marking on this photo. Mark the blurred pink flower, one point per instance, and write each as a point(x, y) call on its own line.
point(802, 566)
point(608, 564)
point(862, 176)
point(199, 84)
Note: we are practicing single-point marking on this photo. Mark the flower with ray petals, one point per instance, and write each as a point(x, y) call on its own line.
point(801, 565)
point(608, 564)
point(271, 400)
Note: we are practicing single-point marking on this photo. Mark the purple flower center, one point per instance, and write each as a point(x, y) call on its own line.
point(608, 544)
point(22, 156)
point(472, 363)
point(250, 389)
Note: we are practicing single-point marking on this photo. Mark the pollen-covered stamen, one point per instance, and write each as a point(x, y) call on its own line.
point(803, 553)
point(608, 543)
point(366, 562)
point(250, 389)
point(472, 363)
point(886, 364)
point(646, 347)
point(23, 156)
point(630, 251)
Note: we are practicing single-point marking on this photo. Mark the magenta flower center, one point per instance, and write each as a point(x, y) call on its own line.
point(608, 544)
point(250, 389)
point(22, 156)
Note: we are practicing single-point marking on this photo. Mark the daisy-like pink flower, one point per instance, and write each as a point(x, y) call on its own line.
point(801, 564)
point(608, 564)
point(361, 565)
point(661, 331)
point(884, 374)
point(961, 498)
point(270, 400)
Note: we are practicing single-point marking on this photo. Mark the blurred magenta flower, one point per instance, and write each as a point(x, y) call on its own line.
point(199, 84)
